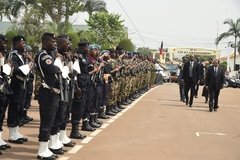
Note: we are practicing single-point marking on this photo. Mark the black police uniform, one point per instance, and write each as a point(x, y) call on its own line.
point(88, 113)
point(48, 95)
point(4, 97)
point(78, 106)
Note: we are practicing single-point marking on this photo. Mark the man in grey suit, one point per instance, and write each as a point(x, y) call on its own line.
point(215, 81)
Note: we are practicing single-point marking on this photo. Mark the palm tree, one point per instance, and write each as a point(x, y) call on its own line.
point(234, 30)
point(92, 6)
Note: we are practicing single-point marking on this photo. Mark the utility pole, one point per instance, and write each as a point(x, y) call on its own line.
point(217, 36)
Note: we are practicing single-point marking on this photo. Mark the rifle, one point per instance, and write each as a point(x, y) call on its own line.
point(60, 78)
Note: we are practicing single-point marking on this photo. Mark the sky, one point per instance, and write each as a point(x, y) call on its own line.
point(178, 23)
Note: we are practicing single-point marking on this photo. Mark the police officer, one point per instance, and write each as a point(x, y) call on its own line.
point(55, 144)
point(88, 116)
point(62, 133)
point(29, 90)
point(19, 78)
point(181, 85)
point(4, 85)
point(48, 95)
point(83, 81)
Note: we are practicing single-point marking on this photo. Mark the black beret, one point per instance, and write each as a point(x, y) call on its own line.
point(118, 48)
point(2, 37)
point(83, 43)
point(111, 50)
point(47, 34)
point(63, 36)
point(18, 38)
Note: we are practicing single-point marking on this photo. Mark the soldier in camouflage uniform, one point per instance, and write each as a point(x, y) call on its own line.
point(112, 97)
point(37, 83)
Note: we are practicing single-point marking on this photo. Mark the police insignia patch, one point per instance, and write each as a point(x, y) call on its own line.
point(80, 55)
point(48, 61)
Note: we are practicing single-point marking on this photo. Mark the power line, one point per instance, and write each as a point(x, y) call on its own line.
point(131, 21)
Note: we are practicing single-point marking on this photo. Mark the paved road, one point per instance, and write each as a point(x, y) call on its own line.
point(156, 127)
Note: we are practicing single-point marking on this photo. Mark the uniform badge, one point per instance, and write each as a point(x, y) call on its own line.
point(48, 61)
point(80, 55)
point(83, 60)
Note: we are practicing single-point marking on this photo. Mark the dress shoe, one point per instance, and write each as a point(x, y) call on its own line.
point(35, 97)
point(23, 139)
point(190, 105)
point(215, 109)
point(70, 144)
point(7, 145)
point(2, 147)
point(52, 157)
point(17, 141)
point(0, 153)
point(196, 96)
point(64, 149)
point(206, 101)
point(186, 103)
point(23, 121)
point(57, 151)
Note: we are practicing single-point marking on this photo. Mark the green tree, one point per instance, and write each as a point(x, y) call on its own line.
point(75, 39)
point(108, 27)
point(234, 30)
point(126, 44)
point(4, 11)
point(144, 50)
point(58, 10)
point(92, 6)
point(88, 35)
point(10, 34)
point(224, 66)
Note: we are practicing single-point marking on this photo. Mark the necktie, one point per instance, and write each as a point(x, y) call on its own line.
point(190, 70)
point(215, 71)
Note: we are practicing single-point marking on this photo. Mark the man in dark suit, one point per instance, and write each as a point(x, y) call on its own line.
point(201, 74)
point(215, 81)
point(190, 77)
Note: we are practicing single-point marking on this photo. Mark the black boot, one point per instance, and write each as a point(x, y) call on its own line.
point(87, 127)
point(119, 105)
point(97, 121)
point(128, 100)
point(113, 109)
point(116, 108)
point(109, 111)
point(75, 132)
point(92, 122)
point(124, 103)
point(101, 114)
point(26, 117)
point(131, 97)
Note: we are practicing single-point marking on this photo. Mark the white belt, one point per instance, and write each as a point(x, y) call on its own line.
point(20, 77)
point(52, 88)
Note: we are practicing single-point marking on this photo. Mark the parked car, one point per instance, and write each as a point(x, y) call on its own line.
point(173, 69)
point(233, 82)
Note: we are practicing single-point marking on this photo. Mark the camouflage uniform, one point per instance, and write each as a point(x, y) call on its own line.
point(37, 83)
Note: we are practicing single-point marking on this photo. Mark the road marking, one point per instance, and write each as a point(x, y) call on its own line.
point(125, 110)
point(218, 134)
point(119, 114)
point(115, 117)
point(192, 108)
point(95, 132)
point(104, 125)
point(75, 149)
point(111, 120)
point(63, 158)
point(87, 139)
